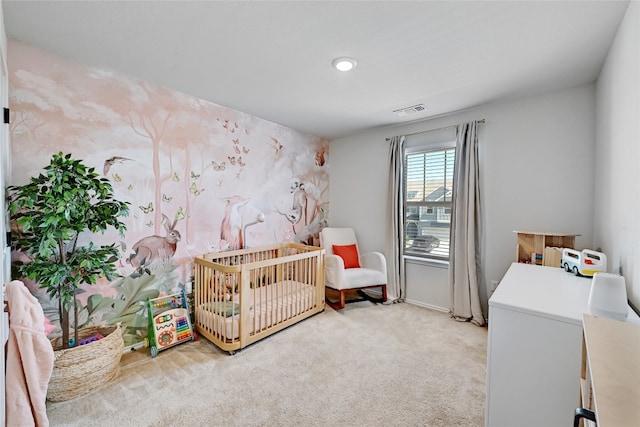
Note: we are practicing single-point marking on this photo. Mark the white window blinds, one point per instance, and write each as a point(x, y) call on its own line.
point(428, 190)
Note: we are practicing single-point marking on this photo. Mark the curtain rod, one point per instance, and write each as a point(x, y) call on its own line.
point(481, 121)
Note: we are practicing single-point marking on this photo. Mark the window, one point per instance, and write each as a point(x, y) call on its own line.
point(429, 181)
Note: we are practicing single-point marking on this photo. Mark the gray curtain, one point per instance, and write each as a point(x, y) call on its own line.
point(466, 232)
point(396, 288)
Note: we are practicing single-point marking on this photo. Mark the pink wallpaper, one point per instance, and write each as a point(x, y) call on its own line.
point(199, 177)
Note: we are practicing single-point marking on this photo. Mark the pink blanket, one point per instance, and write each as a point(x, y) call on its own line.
point(29, 359)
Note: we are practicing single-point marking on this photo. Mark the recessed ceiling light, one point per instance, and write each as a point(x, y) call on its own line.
point(344, 63)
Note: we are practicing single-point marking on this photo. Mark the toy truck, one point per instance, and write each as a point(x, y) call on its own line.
point(583, 263)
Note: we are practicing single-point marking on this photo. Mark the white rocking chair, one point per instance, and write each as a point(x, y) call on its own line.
point(351, 270)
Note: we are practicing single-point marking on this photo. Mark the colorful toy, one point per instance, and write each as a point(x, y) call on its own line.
point(93, 338)
point(169, 322)
point(583, 263)
point(96, 337)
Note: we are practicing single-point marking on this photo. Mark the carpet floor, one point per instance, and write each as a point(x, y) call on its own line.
point(366, 365)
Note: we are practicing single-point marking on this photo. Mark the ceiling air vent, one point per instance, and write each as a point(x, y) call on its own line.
point(410, 110)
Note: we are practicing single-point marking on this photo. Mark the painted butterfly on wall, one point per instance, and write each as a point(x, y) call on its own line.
point(175, 177)
point(147, 209)
point(180, 214)
point(276, 145)
point(194, 175)
point(166, 198)
point(194, 189)
point(218, 167)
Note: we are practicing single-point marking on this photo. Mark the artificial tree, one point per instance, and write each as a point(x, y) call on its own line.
point(49, 214)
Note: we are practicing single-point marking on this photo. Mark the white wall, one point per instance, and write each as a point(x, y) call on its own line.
point(617, 208)
point(537, 157)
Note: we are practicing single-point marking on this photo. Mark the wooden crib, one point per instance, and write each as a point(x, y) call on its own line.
point(243, 296)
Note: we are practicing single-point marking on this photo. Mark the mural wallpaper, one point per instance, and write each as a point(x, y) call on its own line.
point(199, 177)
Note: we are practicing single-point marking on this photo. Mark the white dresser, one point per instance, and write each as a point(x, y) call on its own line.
point(534, 350)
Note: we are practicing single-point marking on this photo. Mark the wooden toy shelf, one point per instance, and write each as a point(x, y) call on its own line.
point(532, 246)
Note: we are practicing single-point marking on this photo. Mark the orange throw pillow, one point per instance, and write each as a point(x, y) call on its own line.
point(349, 253)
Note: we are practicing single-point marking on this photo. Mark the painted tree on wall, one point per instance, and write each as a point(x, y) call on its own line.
point(153, 130)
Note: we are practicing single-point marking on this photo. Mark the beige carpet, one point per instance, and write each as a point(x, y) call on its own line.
point(367, 365)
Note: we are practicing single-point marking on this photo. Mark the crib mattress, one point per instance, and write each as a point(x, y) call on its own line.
point(269, 305)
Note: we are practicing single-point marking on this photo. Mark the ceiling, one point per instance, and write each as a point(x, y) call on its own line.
point(273, 59)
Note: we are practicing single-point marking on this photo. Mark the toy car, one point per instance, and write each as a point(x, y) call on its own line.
point(583, 263)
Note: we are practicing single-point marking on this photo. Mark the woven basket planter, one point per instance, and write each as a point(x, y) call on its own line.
point(80, 370)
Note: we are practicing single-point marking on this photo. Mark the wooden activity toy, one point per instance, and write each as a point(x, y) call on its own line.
point(169, 322)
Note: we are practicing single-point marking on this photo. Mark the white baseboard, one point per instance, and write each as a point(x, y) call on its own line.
point(432, 307)
point(133, 347)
